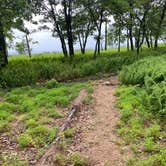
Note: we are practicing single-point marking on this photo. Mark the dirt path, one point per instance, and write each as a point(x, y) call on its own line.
point(98, 140)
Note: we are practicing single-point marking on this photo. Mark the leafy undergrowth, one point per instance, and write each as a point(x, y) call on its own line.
point(31, 115)
point(24, 71)
point(143, 111)
point(150, 75)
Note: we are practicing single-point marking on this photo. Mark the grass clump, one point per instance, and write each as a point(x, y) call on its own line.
point(5, 118)
point(24, 140)
point(69, 133)
point(42, 135)
point(75, 159)
point(12, 160)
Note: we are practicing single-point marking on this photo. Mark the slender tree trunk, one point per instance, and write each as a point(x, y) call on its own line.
point(159, 26)
point(84, 44)
point(58, 30)
point(63, 45)
point(28, 45)
point(3, 48)
point(131, 26)
point(131, 39)
point(99, 44)
point(147, 41)
point(68, 18)
point(106, 35)
point(95, 52)
point(99, 26)
point(80, 42)
point(151, 41)
point(119, 40)
point(128, 47)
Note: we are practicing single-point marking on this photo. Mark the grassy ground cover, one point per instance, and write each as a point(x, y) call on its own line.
point(24, 71)
point(31, 115)
point(142, 102)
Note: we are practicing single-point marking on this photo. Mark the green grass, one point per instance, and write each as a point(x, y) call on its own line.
point(149, 74)
point(142, 104)
point(140, 128)
point(75, 159)
point(25, 71)
point(38, 106)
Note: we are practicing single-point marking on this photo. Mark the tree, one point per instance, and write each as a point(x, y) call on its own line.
point(11, 14)
point(60, 14)
point(21, 47)
point(83, 27)
point(160, 23)
point(24, 47)
point(97, 12)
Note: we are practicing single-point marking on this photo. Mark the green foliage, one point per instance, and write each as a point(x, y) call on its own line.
point(150, 145)
point(60, 159)
point(157, 159)
point(143, 109)
point(45, 67)
point(140, 71)
point(41, 135)
point(53, 113)
point(51, 84)
point(36, 108)
point(12, 160)
point(24, 140)
point(77, 160)
point(150, 73)
point(68, 133)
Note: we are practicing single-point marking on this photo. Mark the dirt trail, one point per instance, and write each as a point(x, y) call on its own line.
point(98, 140)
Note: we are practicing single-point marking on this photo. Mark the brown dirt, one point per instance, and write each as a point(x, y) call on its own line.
point(96, 125)
point(47, 158)
point(97, 139)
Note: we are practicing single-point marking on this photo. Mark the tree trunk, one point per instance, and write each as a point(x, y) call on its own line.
point(64, 48)
point(151, 41)
point(106, 35)
point(95, 52)
point(128, 47)
point(58, 30)
point(99, 32)
point(159, 26)
point(147, 41)
point(119, 40)
point(68, 19)
point(3, 48)
point(131, 25)
point(28, 45)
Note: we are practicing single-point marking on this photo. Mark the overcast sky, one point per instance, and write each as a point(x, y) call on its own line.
point(46, 43)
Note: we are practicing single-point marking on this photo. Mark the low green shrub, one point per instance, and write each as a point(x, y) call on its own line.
point(150, 74)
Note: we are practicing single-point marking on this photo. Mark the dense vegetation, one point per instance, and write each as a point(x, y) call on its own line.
point(143, 108)
point(24, 71)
